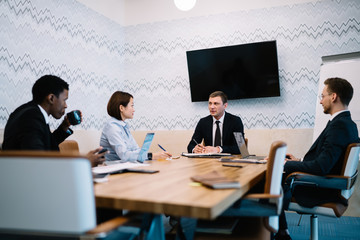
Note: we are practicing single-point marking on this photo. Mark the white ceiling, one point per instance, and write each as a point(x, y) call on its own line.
point(132, 12)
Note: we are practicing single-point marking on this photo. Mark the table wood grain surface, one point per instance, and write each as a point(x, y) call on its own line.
point(172, 192)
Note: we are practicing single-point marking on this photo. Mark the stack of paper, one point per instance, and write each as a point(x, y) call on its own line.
point(116, 167)
point(242, 160)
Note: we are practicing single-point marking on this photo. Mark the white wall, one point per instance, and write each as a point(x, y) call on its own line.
point(132, 12)
point(97, 56)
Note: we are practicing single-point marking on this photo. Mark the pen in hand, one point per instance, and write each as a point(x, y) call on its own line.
point(200, 146)
point(195, 141)
point(161, 148)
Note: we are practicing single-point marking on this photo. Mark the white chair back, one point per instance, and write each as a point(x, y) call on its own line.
point(46, 194)
point(275, 167)
point(352, 162)
point(275, 186)
point(274, 176)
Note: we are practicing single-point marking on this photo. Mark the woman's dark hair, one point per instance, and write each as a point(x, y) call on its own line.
point(118, 98)
point(46, 85)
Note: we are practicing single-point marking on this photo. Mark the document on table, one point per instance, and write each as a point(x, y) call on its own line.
point(242, 160)
point(116, 167)
point(205, 155)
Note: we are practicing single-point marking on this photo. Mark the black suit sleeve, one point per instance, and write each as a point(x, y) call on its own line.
point(325, 156)
point(33, 135)
point(198, 136)
point(60, 135)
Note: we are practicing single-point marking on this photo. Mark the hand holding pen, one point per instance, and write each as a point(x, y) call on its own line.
point(169, 155)
point(161, 155)
point(198, 148)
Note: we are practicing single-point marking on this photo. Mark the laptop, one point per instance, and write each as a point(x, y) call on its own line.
point(118, 166)
point(145, 147)
point(243, 148)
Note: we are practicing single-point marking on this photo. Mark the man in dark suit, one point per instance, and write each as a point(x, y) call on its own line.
point(216, 129)
point(326, 154)
point(27, 127)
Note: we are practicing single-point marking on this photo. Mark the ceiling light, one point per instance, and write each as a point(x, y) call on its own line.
point(184, 5)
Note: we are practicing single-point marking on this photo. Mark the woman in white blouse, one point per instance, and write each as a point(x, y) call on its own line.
point(116, 136)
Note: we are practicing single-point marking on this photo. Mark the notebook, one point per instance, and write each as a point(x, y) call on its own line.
point(216, 180)
point(243, 148)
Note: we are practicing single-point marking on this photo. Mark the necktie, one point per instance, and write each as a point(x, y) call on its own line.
point(217, 135)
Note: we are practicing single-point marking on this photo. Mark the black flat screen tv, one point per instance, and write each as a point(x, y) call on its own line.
point(240, 71)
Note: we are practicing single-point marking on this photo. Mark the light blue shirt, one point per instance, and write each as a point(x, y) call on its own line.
point(116, 137)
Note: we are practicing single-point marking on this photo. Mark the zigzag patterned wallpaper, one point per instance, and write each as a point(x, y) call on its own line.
point(97, 57)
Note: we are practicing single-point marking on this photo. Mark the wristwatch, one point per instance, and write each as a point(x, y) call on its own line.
point(149, 156)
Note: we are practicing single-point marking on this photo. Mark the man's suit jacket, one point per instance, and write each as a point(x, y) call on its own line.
point(26, 129)
point(324, 157)
point(204, 131)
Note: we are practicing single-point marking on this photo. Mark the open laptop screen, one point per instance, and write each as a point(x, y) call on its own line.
point(241, 144)
point(145, 147)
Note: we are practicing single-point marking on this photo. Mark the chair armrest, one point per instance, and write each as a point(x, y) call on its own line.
point(327, 181)
point(108, 226)
point(262, 196)
point(266, 199)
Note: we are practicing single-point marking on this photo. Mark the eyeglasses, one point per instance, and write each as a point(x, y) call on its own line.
point(321, 97)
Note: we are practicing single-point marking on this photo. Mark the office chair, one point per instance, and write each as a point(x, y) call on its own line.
point(49, 195)
point(69, 145)
point(268, 203)
point(344, 183)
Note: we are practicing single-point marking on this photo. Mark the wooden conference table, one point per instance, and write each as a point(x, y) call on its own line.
point(172, 192)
